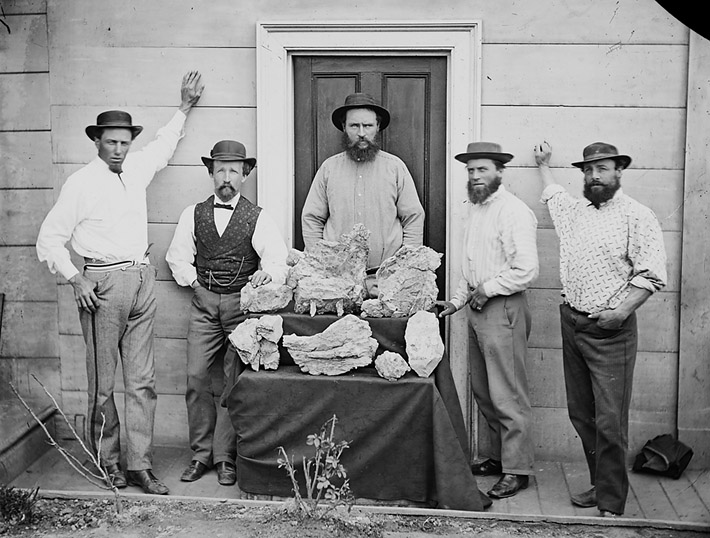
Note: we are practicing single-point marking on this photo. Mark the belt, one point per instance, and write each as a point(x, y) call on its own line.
point(573, 309)
point(94, 265)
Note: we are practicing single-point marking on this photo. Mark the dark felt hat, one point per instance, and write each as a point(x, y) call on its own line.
point(112, 119)
point(484, 150)
point(228, 150)
point(360, 100)
point(601, 150)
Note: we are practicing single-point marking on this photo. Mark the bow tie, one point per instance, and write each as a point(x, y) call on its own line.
point(224, 206)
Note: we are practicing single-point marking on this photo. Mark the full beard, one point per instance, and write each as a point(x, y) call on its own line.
point(480, 193)
point(360, 154)
point(602, 194)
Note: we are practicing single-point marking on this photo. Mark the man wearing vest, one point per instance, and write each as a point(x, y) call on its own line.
point(220, 245)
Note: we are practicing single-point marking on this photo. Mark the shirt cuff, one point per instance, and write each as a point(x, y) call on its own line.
point(550, 191)
point(643, 283)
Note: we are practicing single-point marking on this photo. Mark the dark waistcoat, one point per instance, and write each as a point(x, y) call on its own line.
point(224, 264)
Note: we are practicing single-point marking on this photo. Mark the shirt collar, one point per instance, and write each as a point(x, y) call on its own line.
point(617, 196)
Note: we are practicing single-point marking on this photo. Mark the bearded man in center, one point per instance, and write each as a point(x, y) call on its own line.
point(363, 184)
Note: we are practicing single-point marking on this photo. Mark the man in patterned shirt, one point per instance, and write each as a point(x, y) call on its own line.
point(499, 263)
point(612, 259)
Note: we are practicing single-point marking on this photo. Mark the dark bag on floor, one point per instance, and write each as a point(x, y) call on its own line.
point(663, 455)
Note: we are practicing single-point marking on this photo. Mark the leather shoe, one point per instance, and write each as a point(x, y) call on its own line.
point(606, 513)
point(194, 471)
point(586, 499)
point(487, 468)
point(226, 473)
point(508, 485)
point(145, 480)
point(116, 475)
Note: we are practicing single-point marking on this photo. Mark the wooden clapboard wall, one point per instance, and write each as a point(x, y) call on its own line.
point(30, 340)
point(568, 72)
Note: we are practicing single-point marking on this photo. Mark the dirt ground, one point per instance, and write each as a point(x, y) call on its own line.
point(96, 518)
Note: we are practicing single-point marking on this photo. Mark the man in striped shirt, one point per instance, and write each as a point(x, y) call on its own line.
point(499, 263)
point(612, 259)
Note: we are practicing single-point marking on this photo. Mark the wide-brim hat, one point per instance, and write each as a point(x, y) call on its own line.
point(228, 150)
point(114, 119)
point(360, 100)
point(484, 150)
point(599, 151)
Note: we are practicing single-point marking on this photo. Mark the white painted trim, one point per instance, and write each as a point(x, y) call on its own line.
point(459, 41)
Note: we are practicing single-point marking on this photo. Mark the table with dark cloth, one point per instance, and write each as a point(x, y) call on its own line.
point(407, 437)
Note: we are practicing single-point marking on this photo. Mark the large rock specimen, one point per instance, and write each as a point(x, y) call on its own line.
point(256, 341)
point(423, 343)
point(329, 276)
point(391, 365)
point(343, 346)
point(267, 298)
point(406, 283)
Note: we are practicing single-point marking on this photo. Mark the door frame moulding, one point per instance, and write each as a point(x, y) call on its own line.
point(458, 41)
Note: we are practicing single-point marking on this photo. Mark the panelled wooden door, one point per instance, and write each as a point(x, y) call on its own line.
point(413, 89)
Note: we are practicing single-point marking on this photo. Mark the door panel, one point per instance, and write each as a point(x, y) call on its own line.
point(413, 89)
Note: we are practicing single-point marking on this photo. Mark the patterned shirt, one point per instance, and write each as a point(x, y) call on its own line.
point(379, 194)
point(500, 247)
point(605, 251)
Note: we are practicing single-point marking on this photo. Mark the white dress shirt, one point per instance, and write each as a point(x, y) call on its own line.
point(267, 243)
point(105, 214)
point(500, 247)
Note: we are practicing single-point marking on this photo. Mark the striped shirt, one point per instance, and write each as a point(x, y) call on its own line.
point(500, 247)
point(605, 251)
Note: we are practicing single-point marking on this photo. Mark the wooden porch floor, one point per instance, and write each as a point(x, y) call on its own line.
point(684, 503)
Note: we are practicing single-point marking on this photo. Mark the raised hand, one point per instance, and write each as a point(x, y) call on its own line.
point(191, 90)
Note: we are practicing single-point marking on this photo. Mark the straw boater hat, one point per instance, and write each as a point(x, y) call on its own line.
point(112, 119)
point(601, 150)
point(484, 150)
point(360, 100)
point(228, 150)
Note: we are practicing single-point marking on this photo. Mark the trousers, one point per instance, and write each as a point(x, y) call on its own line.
point(498, 344)
point(121, 329)
point(213, 316)
point(599, 370)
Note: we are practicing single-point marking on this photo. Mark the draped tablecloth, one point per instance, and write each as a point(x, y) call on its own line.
point(407, 437)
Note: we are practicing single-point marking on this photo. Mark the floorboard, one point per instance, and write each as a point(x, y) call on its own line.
point(686, 500)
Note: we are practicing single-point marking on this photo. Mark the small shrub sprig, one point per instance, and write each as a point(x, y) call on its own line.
point(326, 478)
point(16, 504)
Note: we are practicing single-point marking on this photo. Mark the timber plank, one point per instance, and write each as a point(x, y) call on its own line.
point(173, 310)
point(577, 478)
point(652, 497)
point(628, 76)
point(552, 489)
point(546, 378)
point(660, 190)
point(560, 126)
point(26, 160)
point(507, 21)
point(24, 102)
point(29, 330)
point(176, 187)
point(24, 277)
point(155, 74)
point(204, 127)
point(25, 50)
point(22, 215)
point(25, 6)
point(554, 437)
point(685, 499)
point(657, 321)
point(20, 371)
point(700, 480)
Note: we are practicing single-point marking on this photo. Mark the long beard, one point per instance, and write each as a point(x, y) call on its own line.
point(480, 194)
point(358, 154)
point(600, 195)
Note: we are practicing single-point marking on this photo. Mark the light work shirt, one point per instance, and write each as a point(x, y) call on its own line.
point(267, 243)
point(103, 215)
point(500, 247)
point(380, 194)
point(605, 251)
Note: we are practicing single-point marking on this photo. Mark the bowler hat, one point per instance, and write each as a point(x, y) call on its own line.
point(601, 150)
point(484, 150)
point(360, 100)
point(112, 119)
point(228, 150)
